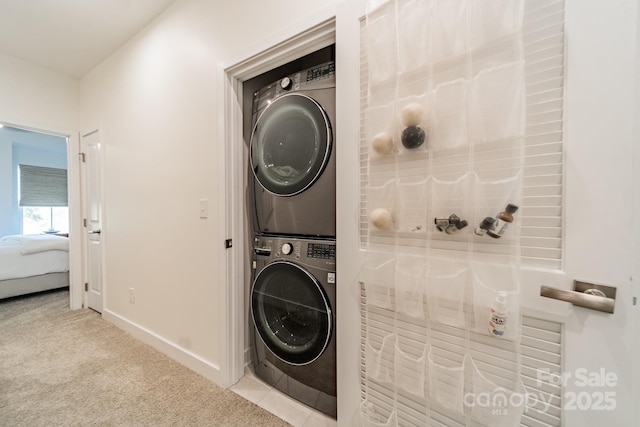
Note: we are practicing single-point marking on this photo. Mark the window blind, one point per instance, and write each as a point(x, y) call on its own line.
point(42, 186)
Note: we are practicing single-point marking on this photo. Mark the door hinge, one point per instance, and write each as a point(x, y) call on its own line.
point(228, 243)
point(83, 158)
point(84, 222)
point(86, 286)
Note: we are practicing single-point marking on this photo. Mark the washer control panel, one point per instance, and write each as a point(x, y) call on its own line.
point(321, 250)
point(312, 252)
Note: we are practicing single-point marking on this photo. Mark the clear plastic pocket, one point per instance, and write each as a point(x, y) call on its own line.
point(379, 358)
point(411, 368)
point(450, 207)
point(380, 132)
point(381, 206)
point(413, 121)
point(380, 43)
point(372, 415)
point(410, 285)
point(449, 128)
point(447, 282)
point(412, 211)
point(449, 28)
point(492, 20)
point(446, 380)
point(492, 404)
point(378, 276)
point(491, 198)
point(413, 34)
point(497, 103)
point(496, 301)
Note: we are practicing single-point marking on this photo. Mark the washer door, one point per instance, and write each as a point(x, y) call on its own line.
point(290, 144)
point(291, 313)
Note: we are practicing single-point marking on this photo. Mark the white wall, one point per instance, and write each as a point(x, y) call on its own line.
point(155, 101)
point(36, 97)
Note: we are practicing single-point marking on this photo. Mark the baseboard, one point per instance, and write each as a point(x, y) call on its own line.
point(192, 361)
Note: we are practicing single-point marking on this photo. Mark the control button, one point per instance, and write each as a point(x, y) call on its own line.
point(287, 248)
point(286, 83)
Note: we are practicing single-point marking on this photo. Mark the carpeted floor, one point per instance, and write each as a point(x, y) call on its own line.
point(60, 367)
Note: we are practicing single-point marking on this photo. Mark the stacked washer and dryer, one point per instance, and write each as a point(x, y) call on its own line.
point(293, 202)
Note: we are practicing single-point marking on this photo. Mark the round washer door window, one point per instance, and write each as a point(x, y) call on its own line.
point(291, 313)
point(290, 144)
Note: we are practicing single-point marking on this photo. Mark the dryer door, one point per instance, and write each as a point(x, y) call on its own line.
point(291, 312)
point(290, 144)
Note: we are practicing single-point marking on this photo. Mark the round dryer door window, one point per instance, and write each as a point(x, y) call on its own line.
point(290, 144)
point(291, 313)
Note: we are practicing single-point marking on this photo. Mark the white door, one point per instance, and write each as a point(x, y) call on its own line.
point(92, 214)
point(600, 107)
point(600, 217)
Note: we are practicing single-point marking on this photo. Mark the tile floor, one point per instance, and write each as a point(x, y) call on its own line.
point(295, 413)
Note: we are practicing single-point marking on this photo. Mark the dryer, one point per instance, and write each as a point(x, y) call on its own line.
point(293, 299)
point(292, 154)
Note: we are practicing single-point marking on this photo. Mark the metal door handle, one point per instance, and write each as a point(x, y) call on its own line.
point(587, 295)
point(94, 232)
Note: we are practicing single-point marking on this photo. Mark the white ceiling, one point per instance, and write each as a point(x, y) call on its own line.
point(72, 36)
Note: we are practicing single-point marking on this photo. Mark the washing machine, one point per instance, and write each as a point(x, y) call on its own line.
point(293, 300)
point(292, 154)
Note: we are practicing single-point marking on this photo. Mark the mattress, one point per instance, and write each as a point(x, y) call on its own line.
point(32, 255)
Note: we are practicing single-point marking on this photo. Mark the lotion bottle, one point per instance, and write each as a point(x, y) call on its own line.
point(499, 315)
point(503, 219)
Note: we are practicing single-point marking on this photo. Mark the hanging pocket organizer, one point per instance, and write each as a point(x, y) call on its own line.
point(411, 368)
point(447, 283)
point(441, 301)
point(378, 276)
point(496, 301)
point(379, 357)
point(410, 285)
point(491, 404)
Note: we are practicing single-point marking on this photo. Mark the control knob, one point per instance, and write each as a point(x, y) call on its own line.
point(287, 248)
point(286, 83)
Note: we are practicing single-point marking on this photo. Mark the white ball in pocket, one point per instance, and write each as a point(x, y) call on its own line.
point(382, 143)
point(381, 219)
point(412, 114)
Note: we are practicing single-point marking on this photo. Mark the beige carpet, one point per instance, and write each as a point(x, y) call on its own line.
point(61, 367)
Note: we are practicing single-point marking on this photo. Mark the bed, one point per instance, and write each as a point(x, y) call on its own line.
point(33, 263)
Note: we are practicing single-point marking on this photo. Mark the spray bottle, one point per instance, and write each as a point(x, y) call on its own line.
point(499, 315)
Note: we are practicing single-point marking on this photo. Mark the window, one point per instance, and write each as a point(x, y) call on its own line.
point(39, 219)
point(43, 199)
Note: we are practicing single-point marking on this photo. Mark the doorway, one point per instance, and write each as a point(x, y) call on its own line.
point(235, 270)
point(46, 148)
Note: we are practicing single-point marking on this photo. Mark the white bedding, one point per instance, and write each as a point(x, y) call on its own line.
point(32, 255)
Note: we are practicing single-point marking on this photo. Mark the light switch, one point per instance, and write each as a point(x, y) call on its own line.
point(204, 208)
